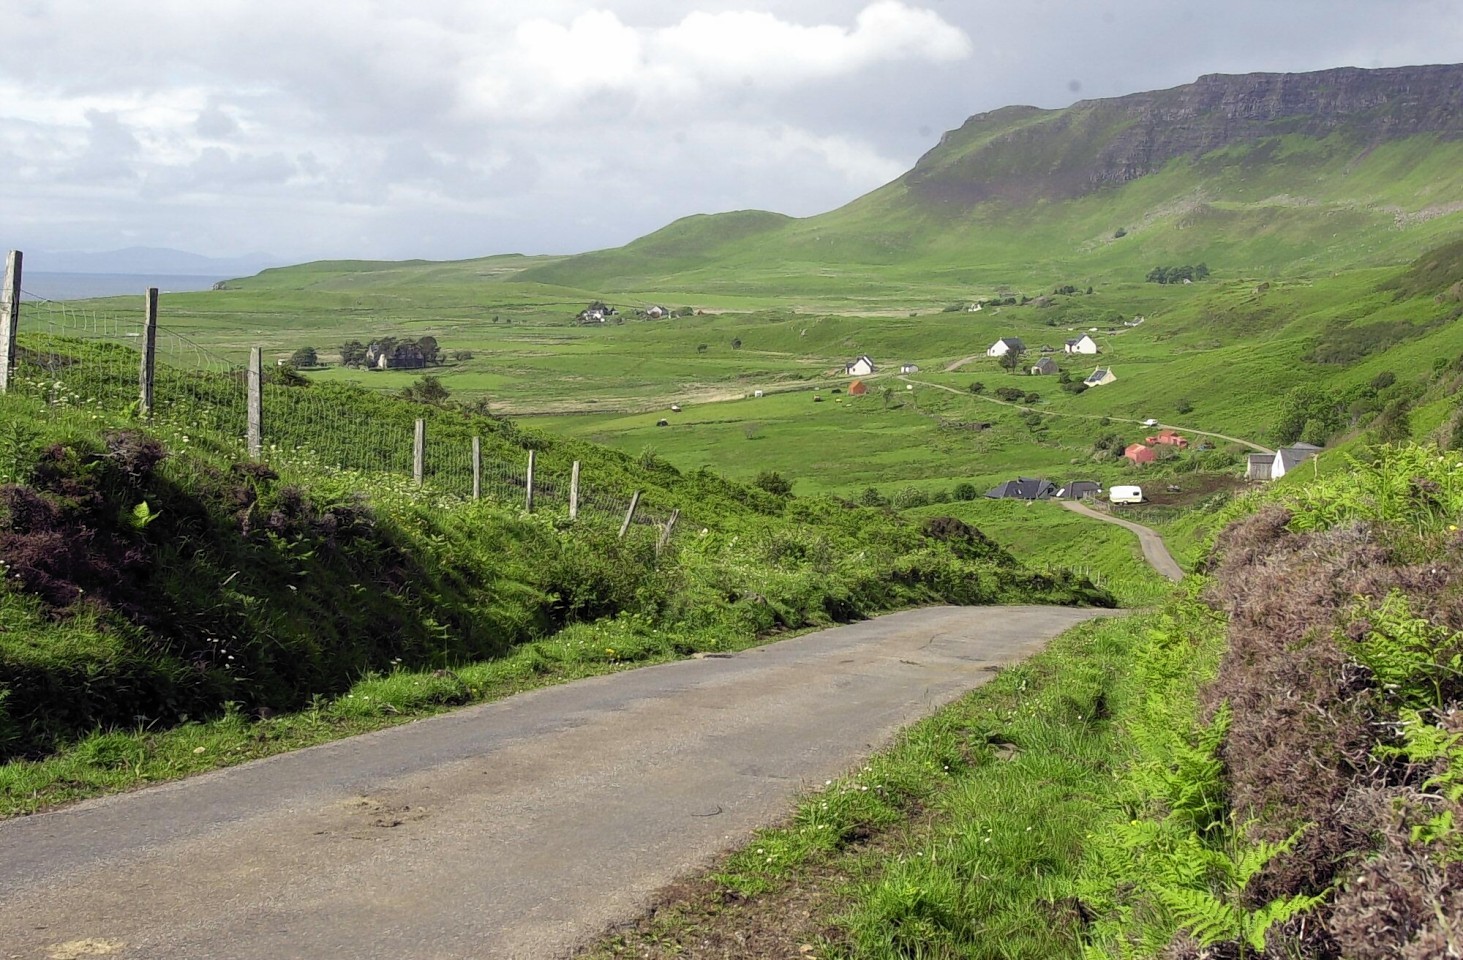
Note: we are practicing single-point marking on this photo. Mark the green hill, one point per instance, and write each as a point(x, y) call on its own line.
point(1262, 173)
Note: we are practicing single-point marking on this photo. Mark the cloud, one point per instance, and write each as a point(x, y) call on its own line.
point(457, 127)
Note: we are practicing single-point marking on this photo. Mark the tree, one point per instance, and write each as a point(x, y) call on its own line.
point(431, 353)
point(353, 353)
point(426, 390)
point(1011, 359)
point(304, 357)
point(965, 491)
point(1184, 405)
point(977, 387)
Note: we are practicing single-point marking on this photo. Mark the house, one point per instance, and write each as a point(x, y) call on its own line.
point(1023, 488)
point(1044, 367)
point(858, 388)
point(1083, 344)
point(1100, 376)
point(757, 393)
point(1288, 458)
point(909, 368)
point(1273, 466)
point(1168, 438)
point(1138, 453)
point(1259, 465)
point(655, 313)
point(1080, 490)
point(861, 367)
point(1006, 345)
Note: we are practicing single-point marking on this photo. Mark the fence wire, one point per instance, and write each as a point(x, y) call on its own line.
point(74, 357)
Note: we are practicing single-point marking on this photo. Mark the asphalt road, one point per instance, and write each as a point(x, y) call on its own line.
point(1154, 549)
point(515, 829)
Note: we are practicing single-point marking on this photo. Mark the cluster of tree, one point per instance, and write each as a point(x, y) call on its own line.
point(1110, 443)
point(1067, 290)
point(910, 497)
point(1017, 395)
point(426, 389)
point(1188, 271)
point(401, 354)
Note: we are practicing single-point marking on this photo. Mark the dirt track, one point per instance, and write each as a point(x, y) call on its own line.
point(514, 829)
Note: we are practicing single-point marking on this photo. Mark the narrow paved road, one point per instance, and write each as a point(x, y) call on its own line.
point(1154, 550)
point(514, 829)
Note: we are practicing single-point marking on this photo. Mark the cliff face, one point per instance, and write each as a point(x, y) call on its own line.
point(1019, 154)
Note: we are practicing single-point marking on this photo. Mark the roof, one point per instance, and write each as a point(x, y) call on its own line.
point(1293, 456)
point(1097, 374)
point(1257, 458)
point(1023, 488)
point(1012, 342)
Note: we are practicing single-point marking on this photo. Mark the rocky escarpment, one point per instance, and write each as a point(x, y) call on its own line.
point(1020, 154)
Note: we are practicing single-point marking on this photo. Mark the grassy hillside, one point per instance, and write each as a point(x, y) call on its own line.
point(158, 590)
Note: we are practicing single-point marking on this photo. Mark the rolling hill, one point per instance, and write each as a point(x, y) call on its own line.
point(1258, 173)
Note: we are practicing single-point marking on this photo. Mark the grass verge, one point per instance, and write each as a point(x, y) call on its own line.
point(966, 838)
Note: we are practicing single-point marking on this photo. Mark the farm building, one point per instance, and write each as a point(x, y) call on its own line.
point(1168, 438)
point(1023, 488)
point(861, 367)
point(1006, 345)
point(1083, 344)
point(1100, 376)
point(858, 388)
point(1138, 453)
point(909, 368)
point(1080, 490)
point(1046, 366)
point(1259, 465)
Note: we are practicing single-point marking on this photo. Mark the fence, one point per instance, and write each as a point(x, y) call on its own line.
point(77, 358)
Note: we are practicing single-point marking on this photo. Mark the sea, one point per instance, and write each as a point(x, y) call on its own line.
point(85, 286)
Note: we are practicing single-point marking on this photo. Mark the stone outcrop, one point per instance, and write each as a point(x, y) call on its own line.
point(1020, 154)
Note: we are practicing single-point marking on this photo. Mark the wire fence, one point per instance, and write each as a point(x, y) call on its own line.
point(73, 357)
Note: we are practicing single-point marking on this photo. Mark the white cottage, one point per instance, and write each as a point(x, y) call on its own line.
point(1006, 345)
point(1083, 344)
point(861, 367)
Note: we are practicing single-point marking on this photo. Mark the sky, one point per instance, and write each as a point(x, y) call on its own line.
point(449, 129)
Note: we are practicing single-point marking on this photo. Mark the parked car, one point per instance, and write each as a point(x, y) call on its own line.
point(1150, 422)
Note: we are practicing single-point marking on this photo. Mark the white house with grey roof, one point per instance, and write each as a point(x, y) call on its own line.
point(1006, 345)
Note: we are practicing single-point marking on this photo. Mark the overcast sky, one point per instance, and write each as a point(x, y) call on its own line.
point(447, 129)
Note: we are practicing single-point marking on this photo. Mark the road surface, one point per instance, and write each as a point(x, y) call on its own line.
point(1154, 550)
point(514, 829)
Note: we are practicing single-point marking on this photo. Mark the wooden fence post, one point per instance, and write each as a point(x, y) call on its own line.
point(477, 468)
point(419, 453)
point(9, 317)
point(665, 535)
point(574, 492)
point(254, 437)
point(630, 514)
point(147, 375)
point(528, 496)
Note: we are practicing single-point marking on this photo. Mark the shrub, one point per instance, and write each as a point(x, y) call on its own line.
point(773, 482)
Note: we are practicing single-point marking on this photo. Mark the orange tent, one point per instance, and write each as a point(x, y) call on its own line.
point(857, 389)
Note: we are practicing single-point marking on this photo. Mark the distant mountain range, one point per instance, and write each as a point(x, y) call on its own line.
point(158, 261)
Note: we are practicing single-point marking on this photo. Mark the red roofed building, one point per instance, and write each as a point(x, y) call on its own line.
point(1169, 438)
point(1138, 453)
